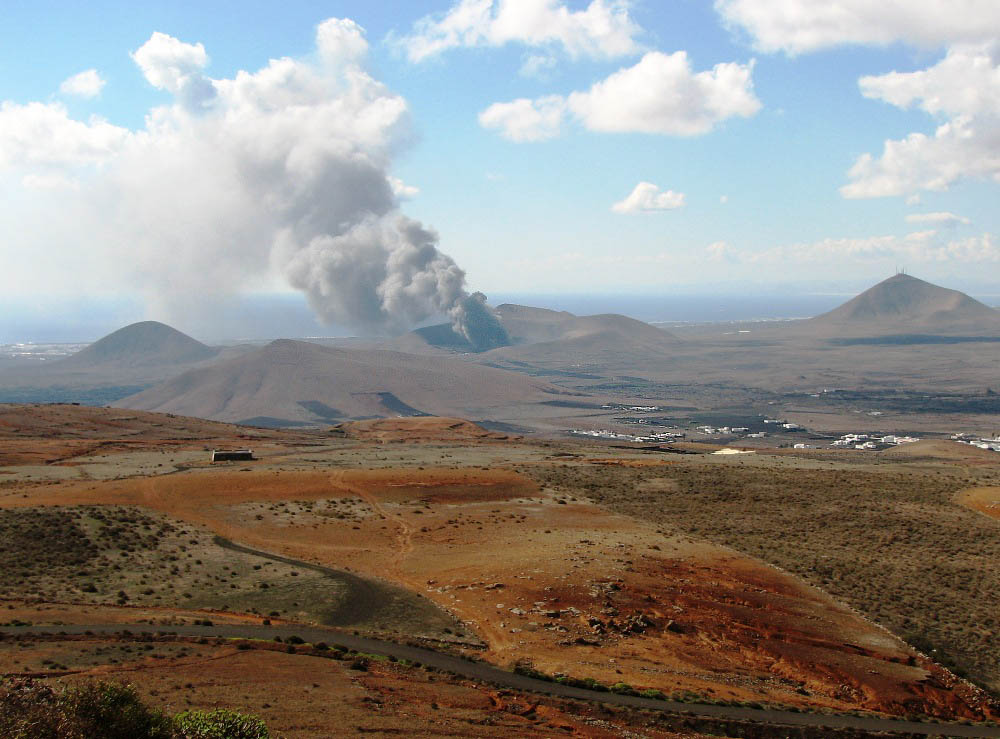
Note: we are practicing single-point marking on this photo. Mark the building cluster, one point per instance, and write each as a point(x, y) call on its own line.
point(618, 436)
point(982, 442)
point(722, 430)
point(636, 408)
point(783, 424)
point(870, 441)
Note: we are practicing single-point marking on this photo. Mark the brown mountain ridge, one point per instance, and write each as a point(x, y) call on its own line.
point(295, 382)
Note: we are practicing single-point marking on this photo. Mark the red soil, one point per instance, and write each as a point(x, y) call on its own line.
point(570, 587)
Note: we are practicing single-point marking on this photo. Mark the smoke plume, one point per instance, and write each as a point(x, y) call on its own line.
point(280, 172)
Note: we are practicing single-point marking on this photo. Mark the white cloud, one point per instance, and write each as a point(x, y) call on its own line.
point(341, 41)
point(723, 199)
point(799, 26)
point(603, 29)
point(526, 120)
point(964, 86)
point(280, 172)
point(176, 67)
point(401, 190)
point(966, 82)
point(648, 198)
point(944, 219)
point(43, 134)
point(917, 247)
point(660, 94)
point(537, 65)
point(86, 84)
point(53, 181)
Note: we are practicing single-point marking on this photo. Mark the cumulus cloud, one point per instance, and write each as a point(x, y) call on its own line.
point(283, 171)
point(86, 84)
point(965, 88)
point(799, 26)
point(648, 198)
point(966, 82)
point(661, 94)
point(603, 29)
point(176, 67)
point(943, 219)
point(526, 120)
point(43, 134)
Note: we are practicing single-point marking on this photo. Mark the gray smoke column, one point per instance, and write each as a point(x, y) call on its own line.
point(475, 320)
point(386, 274)
point(280, 173)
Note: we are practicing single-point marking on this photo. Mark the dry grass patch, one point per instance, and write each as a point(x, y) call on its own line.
point(890, 543)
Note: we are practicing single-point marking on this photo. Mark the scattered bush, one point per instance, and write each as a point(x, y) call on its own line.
point(107, 710)
point(218, 724)
point(31, 710)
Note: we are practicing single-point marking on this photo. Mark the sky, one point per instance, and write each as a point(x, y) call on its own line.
point(385, 161)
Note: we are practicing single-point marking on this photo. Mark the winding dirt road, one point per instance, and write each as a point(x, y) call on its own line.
point(501, 678)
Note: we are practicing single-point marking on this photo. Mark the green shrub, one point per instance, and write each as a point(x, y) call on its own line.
point(106, 710)
point(30, 710)
point(218, 724)
point(623, 689)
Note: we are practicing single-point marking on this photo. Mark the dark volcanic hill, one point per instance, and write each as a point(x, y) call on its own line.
point(144, 344)
point(539, 334)
point(905, 304)
point(294, 382)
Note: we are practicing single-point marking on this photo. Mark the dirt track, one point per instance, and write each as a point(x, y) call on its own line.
point(561, 583)
point(365, 598)
point(496, 676)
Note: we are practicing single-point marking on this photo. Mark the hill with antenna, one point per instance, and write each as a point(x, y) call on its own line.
point(906, 304)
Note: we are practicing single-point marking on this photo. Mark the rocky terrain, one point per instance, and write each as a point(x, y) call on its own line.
point(524, 551)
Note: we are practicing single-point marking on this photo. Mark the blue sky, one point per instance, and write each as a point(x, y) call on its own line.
point(554, 146)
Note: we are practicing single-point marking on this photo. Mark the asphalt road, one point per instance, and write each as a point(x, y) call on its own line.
point(496, 676)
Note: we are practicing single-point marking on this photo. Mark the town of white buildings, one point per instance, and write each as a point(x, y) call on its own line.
point(982, 442)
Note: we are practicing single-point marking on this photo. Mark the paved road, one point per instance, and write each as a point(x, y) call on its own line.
point(490, 674)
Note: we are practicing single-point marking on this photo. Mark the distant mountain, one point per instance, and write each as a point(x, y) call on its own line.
point(905, 304)
point(294, 382)
point(546, 337)
point(540, 334)
point(144, 344)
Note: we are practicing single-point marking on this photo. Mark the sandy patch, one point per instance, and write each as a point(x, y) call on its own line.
point(986, 500)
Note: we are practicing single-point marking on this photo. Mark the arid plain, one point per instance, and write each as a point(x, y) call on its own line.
point(573, 560)
point(382, 563)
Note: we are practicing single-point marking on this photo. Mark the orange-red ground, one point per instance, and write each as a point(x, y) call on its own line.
point(560, 583)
